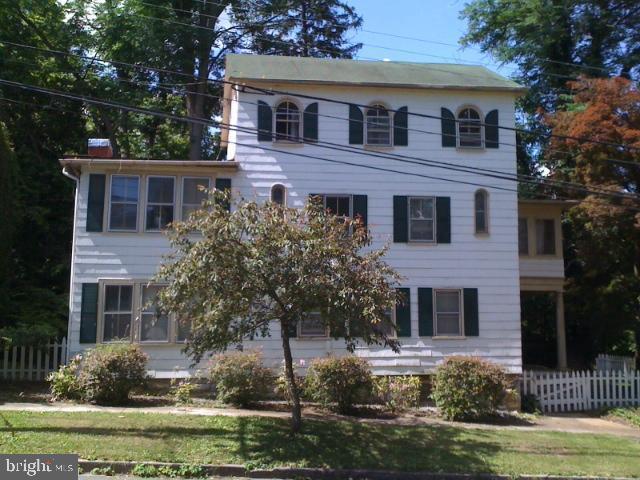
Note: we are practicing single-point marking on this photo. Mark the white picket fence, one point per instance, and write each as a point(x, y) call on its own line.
point(31, 363)
point(565, 391)
point(615, 362)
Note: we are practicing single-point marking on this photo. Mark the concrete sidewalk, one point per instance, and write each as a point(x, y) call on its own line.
point(572, 423)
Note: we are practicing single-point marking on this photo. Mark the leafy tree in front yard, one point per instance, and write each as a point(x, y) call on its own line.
point(263, 264)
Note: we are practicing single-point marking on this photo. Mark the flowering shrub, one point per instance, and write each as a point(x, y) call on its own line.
point(468, 388)
point(339, 382)
point(398, 393)
point(110, 372)
point(240, 378)
point(182, 391)
point(64, 383)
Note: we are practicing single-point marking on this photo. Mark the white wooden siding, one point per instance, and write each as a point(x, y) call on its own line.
point(489, 263)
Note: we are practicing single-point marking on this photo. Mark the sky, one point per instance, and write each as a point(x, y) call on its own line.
point(435, 22)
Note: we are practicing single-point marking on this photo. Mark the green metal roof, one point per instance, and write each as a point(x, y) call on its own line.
point(358, 72)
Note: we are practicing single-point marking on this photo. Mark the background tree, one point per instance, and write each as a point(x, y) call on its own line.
point(263, 263)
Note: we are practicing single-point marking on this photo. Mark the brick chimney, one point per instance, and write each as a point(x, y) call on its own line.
point(99, 147)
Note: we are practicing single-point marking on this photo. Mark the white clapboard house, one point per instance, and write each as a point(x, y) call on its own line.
point(465, 245)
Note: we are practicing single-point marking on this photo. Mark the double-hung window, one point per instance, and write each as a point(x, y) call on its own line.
point(387, 328)
point(312, 326)
point(378, 126)
point(481, 210)
point(123, 203)
point(545, 237)
point(469, 129)
point(448, 313)
point(154, 323)
point(340, 205)
point(117, 313)
point(287, 122)
point(422, 219)
point(160, 202)
point(193, 194)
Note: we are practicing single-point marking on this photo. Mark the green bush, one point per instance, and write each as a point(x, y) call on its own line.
point(468, 388)
point(64, 384)
point(398, 393)
point(179, 471)
point(282, 385)
point(240, 378)
point(110, 372)
point(182, 391)
point(339, 383)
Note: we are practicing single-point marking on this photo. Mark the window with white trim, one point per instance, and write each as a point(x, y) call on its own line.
point(312, 326)
point(117, 313)
point(183, 329)
point(123, 203)
point(154, 323)
point(287, 122)
point(545, 237)
point(448, 313)
point(340, 205)
point(387, 328)
point(481, 211)
point(194, 193)
point(160, 202)
point(469, 128)
point(378, 126)
point(279, 194)
point(422, 212)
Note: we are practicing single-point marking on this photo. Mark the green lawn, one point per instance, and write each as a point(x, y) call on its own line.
point(265, 442)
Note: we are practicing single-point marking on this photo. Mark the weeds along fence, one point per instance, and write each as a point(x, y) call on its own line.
point(32, 363)
point(572, 391)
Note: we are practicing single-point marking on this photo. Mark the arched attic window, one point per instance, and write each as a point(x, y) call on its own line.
point(287, 122)
point(378, 125)
point(278, 194)
point(469, 128)
point(481, 211)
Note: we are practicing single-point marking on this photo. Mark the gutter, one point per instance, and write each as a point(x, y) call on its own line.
point(67, 173)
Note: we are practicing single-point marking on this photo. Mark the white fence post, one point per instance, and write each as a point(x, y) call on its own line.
point(26, 362)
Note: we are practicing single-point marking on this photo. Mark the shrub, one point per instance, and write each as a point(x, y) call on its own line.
point(468, 388)
point(64, 384)
point(240, 378)
point(282, 385)
point(339, 382)
point(110, 372)
point(398, 393)
point(182, 391)
point(179, 471)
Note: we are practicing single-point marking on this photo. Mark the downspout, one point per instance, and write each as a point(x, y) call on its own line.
point(76, 179)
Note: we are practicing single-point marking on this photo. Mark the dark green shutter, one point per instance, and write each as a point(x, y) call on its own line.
point(265, 122)
point(400, 220)
point(400, 125)
point(403, 313)
point(360, 208)
point(448, 122)
point(443, 220)
point(491, 131)
point(89, 313)
point(224, 185)
point(356, 125)
point(310, 123)
point(95, 202)
point(471, 323)
point(425, 312)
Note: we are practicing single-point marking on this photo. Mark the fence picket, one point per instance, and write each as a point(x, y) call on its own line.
point(32, 363)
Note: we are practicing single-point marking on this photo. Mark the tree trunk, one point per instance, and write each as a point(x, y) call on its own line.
point(296, 410)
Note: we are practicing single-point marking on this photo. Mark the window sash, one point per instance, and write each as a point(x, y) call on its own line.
point(378, 127)
point(159, 213)
point(481, 214)
point(427, 220)
point(341, 202)
point(117, 320)
point(287, 123)
point(122, 209)
point(545, 237)
point(469, 129)
point(312, 326)
point(189, 207)
point(450, 316)
point(154, 325)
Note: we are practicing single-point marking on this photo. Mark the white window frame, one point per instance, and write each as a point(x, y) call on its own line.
point(147, 203)
point(288, 121)
point(141, 313)
point(339, 195)
point(555, 237)
point(421, 197)
point(460, 293)
point(394, 333)
point(284, 193)
point(377, 107)
point(311, 336)
point(102, 300)
point(459, 121)
point(485, 211)
point(182, 190)
point(111, 202)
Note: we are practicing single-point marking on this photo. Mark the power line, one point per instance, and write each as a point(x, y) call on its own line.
point(253, 131)
point(270, 91)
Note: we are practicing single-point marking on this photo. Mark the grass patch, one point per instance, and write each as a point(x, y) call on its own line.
point(266, 442)
point(627, 415)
